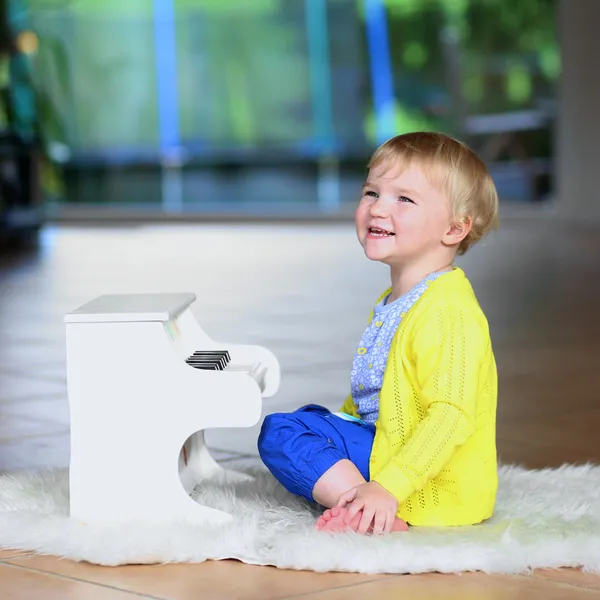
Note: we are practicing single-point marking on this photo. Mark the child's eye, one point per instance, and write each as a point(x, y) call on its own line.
point(371, 193)
point(405, 199)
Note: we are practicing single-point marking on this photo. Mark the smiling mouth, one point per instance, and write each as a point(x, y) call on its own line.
point(377, 232)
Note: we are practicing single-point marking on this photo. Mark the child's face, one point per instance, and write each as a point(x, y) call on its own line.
point(415, 214)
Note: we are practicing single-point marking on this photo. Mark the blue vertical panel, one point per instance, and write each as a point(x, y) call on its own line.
point(168, 103)
point(320, 74)
point(382, 80)
point(166, 75)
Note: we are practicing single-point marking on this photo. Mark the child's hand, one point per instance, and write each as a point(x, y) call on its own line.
point(378, 505)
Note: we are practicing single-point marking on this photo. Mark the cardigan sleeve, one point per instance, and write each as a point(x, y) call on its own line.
point(448, 349)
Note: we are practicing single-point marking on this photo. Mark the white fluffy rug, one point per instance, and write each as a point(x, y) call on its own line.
point(546, 518)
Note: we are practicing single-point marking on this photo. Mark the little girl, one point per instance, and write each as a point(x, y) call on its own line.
point(414, 442)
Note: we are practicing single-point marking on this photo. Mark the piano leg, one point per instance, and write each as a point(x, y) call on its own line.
point(125, 481)
point(201, 466)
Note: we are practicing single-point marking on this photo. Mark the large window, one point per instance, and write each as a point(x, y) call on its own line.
point(132, 90)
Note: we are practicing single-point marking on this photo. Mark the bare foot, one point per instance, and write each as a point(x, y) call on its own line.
point(333, 519)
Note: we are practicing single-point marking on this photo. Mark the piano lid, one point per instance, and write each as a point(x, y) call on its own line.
point(112, 308)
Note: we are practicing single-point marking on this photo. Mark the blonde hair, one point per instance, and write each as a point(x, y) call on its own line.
point(454, 169)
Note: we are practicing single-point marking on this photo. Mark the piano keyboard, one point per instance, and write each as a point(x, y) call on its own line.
point(219, 360)
point(209, 360)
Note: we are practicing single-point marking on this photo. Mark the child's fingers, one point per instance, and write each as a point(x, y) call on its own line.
point(380, 523)
point(366, 520)
point(353, 510)
point(346, 497)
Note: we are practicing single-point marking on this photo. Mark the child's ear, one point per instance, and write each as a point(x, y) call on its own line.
point(458, 231)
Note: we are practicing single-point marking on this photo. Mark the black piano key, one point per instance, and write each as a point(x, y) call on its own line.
point(211, 353)
point(206, 367)
point(214, 357)
point(207, 359)
point(209, 364)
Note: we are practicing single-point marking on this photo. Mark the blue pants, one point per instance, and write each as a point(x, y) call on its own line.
point(299, 447)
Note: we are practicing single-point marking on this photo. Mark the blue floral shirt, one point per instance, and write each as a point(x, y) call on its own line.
point(371, 356)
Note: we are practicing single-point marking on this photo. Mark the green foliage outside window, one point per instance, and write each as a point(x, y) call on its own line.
point(244, 74)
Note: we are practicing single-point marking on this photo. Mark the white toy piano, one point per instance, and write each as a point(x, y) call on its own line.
point(144, 382)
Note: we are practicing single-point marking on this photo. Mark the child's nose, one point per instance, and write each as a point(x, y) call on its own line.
point(379, 208)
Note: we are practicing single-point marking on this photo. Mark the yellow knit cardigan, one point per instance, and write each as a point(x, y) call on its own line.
point(435, 441)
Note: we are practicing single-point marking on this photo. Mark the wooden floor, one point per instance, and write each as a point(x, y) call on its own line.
point(305, 292)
